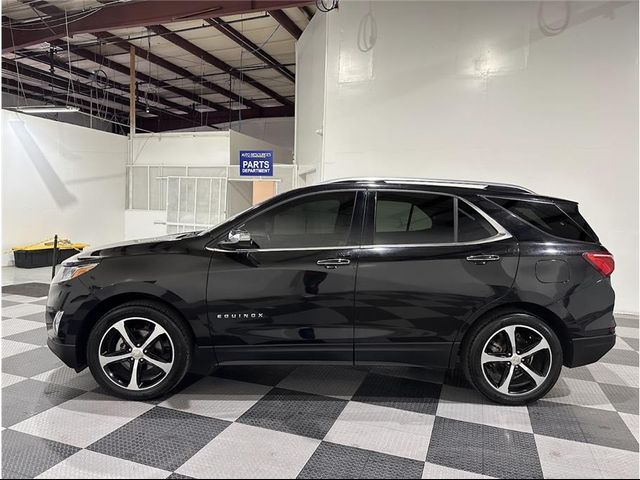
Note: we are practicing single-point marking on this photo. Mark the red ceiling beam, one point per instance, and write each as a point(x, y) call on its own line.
point(165, 123)
point(288, 24)
point(113, 16)
point(216, 62)
point(230, 32)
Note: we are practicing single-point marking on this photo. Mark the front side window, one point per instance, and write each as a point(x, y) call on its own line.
point(425, 218)
point(320, 220)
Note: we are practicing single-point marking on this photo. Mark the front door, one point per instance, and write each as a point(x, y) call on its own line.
point(428, 261)
point(288, 295)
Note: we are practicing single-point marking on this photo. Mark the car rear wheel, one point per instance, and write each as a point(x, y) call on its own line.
point(139, 350)
point(513, 359)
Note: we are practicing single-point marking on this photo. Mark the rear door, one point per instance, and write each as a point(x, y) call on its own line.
point(429, 260)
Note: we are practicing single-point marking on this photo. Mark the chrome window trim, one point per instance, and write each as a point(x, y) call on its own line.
point(502, 234)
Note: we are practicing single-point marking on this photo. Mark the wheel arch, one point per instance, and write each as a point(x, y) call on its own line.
point(112, 302)
point(546, 315)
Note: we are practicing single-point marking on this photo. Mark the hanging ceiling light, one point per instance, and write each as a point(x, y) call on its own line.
point(47, 109)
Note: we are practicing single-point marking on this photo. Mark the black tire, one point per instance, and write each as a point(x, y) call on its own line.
point(484, 331)
point(181, 343)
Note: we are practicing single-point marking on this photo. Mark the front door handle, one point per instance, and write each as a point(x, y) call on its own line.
point(333, 262)
point(482, 259)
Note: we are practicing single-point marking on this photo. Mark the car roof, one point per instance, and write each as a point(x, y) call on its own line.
point(457, 187)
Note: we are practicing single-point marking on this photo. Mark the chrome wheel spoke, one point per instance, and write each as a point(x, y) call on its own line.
point(511, 334)
point(133, 381)
point(537, 379)
point(164, 366)
point(504, 388)
point(490, 358)
point(108, 359)
point(542, 345)
point(120, 328)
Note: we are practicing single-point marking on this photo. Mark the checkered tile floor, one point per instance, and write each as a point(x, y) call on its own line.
point(309, 421)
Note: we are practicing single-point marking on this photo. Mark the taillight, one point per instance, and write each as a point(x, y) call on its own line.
point(601, 261)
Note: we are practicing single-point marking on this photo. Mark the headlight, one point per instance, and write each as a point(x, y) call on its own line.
point(68, 272)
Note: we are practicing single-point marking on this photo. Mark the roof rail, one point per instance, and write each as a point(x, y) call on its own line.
point(434, 182)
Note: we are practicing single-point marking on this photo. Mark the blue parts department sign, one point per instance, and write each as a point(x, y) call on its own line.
point(256, 163)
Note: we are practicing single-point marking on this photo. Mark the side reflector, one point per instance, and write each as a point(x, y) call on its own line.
point(601, 261)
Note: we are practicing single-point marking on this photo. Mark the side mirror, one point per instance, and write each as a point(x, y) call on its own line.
point(237, 237)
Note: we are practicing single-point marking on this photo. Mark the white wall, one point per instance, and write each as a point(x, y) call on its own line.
point(278, 130)
point(192, 149)
point(478, 90)
point(60, 178)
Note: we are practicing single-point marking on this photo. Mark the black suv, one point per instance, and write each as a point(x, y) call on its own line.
point(509, 284)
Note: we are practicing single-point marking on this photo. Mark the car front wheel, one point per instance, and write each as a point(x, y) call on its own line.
point(139, 350)
point(513, 359)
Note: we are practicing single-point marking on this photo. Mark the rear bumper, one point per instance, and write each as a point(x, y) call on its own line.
point(583, 351)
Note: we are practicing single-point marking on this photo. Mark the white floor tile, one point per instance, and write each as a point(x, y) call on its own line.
point(19, 298)
point(383, 429)
point(69, 378)
point(579, 392)
point(625, 375)
point(243, 451)
point(88, 464)
point(22, 310)
point(217, 397)
point(8, 379)
point(566, 459)
point(17, 325)
point(324, 380)
point(469, 406)
point(432, 470)
point(10, 348)
point(614, 463)
point(631, 421)
point(622, 345)
point(91, 416)
point(628, 332)
point(13, 275)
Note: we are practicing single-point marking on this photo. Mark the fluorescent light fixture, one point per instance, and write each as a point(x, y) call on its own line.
point(47, 109)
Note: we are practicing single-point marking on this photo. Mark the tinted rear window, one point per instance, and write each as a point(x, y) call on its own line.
point(547, 217)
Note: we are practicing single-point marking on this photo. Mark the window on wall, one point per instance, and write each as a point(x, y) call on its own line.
point(318, 220)
point(422, 218)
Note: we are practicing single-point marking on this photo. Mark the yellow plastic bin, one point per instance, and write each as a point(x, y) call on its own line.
point(41, 254)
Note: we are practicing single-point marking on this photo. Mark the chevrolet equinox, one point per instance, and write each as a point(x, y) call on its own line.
point(508, 284)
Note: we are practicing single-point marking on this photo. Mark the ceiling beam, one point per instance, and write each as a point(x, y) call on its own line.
point(68, 84)
point(104, 61)
point(110, 84)
point(230, 32)
point(167, 65)
point(216, 62)
point(165, 123)
point(138, 13)
point(286, 23)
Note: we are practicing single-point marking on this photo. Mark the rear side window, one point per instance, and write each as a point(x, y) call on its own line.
point(415, 218)
point(547, 217)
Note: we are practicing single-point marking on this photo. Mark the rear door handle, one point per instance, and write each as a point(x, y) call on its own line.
point(333, 262)
point(482, 259)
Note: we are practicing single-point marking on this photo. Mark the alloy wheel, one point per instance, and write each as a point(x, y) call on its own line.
point(136, 353)
point(516, 360)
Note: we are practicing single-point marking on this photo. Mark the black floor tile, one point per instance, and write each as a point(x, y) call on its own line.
point(482, 449)
point(623, 399)
point(401, 393)
point(35, 336)
point(31, 363)
point(27, 398)
point(331, 460)
point(161, 438)
point(26, 456)
point(31, 289)
point(294, 412)
point(269, 375)
point(581, 424)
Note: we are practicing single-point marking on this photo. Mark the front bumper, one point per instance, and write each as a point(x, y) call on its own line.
point(583, 351)
point(65, 352)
